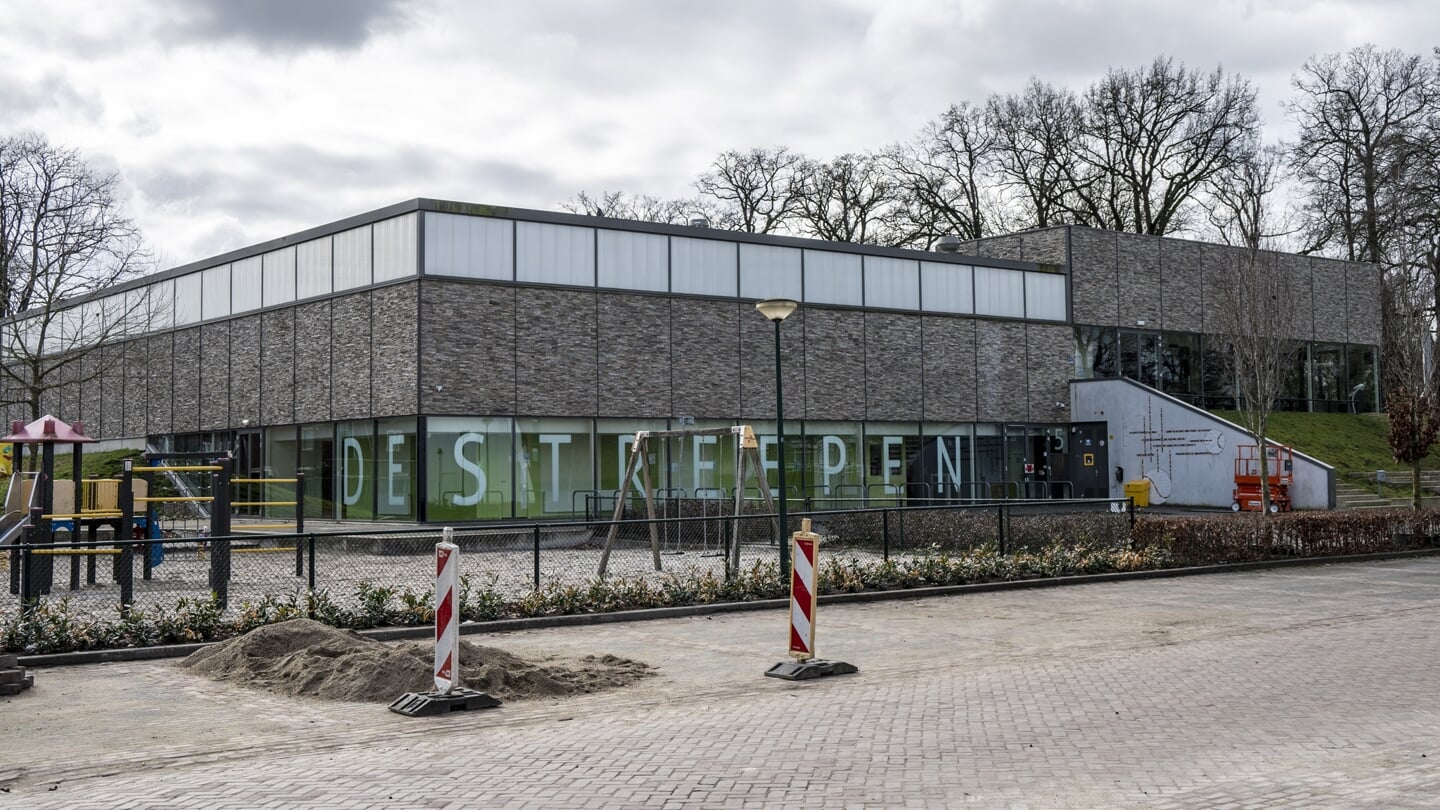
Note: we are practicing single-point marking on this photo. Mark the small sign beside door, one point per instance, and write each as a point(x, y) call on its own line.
point(1088, 459)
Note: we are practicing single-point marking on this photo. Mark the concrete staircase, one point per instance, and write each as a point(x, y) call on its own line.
point(1353, 493)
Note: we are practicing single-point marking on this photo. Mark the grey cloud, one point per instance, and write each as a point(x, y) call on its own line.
point(51, 91)
point(284, 25)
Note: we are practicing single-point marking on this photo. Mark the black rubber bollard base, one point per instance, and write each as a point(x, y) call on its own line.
point(805, 670)
point(426, 704)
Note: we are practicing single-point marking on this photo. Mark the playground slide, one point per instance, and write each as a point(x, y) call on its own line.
point(11, 526)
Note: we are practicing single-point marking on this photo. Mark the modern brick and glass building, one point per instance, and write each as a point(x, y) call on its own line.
point(440, 361)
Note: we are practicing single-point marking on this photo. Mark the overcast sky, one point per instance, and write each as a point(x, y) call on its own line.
point(236, 121)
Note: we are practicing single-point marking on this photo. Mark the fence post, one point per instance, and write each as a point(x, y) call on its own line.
point(885, 533)
point(27, 587)
point(1131, 509)
point(300, 529)
point(311, 572)
point(536, 531)
point(900, 526)
point(124, 568)
point(220, 528)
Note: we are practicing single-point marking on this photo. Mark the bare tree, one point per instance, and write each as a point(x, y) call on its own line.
point(1036, 135)
point(1243, 199)
point(1153, 138)
point(63, 242)
point(940, 178)
point(619, 205)
point(753, 191)
point(1361, 118)
point(847, 200)
point(1412, 400)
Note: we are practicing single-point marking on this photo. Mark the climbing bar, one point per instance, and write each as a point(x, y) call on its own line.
point(82, 515)
point(73, 552)
point(264, 480)
point(190, 468)
point(262, 503)
point(275, 550)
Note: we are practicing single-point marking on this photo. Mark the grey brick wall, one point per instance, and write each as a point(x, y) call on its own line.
point(1182, 285)
point(159, 415)
point(394, 319)
point(1045, 247)
point(705, 340)
point(245, 369)
point(1363, 291)
point(1297, 270)
point(757, 364)
point(137, 387)
point(893, 379)
point(1000, 383)
point(185, 411)
point(92, 392)
point(277, 369)
point(1049, 363)
point(312, 362)
point(1138, 259)
point(1329, 280)
point(215, 376)
point(834, 364)
point(949, 357)
point(1094, 284)
point(1009, 246)
point(467, 348)
point(556, 357)
point(634, 341)
point(350, 319)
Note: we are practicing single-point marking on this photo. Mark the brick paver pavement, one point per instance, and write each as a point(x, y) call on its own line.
point(1306, 687)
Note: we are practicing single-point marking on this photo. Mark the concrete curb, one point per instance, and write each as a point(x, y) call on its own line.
point(586, 619)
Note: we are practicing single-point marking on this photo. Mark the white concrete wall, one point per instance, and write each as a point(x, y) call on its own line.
point(1187, 453)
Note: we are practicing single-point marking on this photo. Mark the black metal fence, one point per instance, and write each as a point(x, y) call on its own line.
point(515, 558)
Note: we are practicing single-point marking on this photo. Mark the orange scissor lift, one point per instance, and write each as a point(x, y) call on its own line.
point(1279, 469)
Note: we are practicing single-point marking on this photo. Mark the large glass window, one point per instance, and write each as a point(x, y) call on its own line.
point(1363, 394)
point(356, 481)
point(613, 438)
point(554, 467)
point(1180, 366)
point(468, 468)
point(1095, 353)
point(395, 451)
point(1219, 375)
point(704, 464)
point(942, 468)
point(1328, 366)
point(317, 461)
point(834, 471)
point(889, 449)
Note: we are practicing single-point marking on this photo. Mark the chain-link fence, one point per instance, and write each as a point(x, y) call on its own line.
point(687, 537)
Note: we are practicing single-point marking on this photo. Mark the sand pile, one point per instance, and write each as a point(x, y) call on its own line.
point(304, 657)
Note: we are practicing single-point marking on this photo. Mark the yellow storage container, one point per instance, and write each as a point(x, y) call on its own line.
point(1139, 490)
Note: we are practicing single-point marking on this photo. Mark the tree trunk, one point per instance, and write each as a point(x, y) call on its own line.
point(1415, 490)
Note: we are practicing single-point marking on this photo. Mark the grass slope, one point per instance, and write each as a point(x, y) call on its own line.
point(1354, 443)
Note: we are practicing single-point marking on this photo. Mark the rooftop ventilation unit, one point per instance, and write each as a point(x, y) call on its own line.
point(948, 244)
point(699, 222)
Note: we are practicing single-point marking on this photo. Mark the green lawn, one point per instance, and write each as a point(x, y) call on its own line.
point(1354, 443)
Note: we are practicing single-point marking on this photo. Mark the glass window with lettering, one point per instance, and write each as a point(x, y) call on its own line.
point(554, 467)
point(395, 451)
point(468, 468)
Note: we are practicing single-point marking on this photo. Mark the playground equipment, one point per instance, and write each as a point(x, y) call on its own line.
point(1279, 471)
point(747, 457)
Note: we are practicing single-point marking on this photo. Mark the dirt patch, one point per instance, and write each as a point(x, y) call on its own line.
point(304, 657)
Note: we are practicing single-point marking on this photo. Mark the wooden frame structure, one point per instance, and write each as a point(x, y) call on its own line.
point(747, 457)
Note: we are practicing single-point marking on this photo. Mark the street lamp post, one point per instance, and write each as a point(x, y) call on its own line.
point(777, 310)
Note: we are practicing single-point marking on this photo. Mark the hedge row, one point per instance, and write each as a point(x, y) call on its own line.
point(1250, 537)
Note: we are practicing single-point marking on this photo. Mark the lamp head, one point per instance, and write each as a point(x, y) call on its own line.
point(777, 309)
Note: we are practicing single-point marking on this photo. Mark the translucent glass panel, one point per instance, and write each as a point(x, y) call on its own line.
point(947, 287)
point(892, 283)
point(356, 481)
point(312, 268)
point(1045, 296)
point(396, 247)
point(150, 308)
point(833, 278)
point(187, 300)
point(769, 272)
point(999, 292)
point(834, 464)
point(279, 273)
point(215, 292)
point(554, 254)
point(702, 267)
point(468, 468)
point(245, 284)
point(469, 247)
point(634, 261)
point(352, 258)
point(395, 476)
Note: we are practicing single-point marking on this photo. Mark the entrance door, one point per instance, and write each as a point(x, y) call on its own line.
point(1088, 460)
